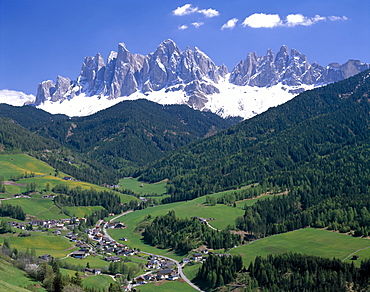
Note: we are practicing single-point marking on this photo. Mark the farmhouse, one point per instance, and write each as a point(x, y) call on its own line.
point(197, 257)
point(119, 225)
point(45, 258)
point(93, 271)
point(140, 280)
point(37, 223)
point(112, 259)
point(78, 254)
point(174, 276)
point(167, 274)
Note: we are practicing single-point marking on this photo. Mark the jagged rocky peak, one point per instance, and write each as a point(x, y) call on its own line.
point(61, 88)
point(292, 69)
point(92, 74)
point(191, 71)
point(44, 91)
point(47, 90)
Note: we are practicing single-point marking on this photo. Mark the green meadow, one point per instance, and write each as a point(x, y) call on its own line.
point(12, 165)
point(145, 188)
point(95, 262)
point(42, 243)
point(18, 164)
point(97, 281)
point(165, 286)
point(191, 270)
point(223, 216)
point(250, 202)
point(12, 279)
point(308, 241)
point(82, 211)
point(37, 207)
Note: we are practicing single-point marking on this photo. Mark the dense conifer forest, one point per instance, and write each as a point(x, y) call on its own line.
point(111, 144)
point(183, 235)
point(276, 146)
point(314, 151)
point(297, 272)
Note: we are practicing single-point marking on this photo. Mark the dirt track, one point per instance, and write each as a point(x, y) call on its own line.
point(12, 183)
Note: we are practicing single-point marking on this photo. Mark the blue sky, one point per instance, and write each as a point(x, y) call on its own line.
point(40, 39)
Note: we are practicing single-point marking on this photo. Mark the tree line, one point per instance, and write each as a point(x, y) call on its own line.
point(298, 272)
point(183, 235)
point(280, 143)
point(219, 270)
point(7, 210)
point(91, 197)
point(47, 273)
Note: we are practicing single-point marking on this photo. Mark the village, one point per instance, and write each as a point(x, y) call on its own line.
point(96, 242)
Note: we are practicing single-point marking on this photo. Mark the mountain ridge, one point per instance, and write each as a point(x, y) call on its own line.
point(172, 76)
point(272, 145)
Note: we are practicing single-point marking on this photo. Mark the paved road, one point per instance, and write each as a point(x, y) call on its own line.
point(179, 267)
point(114, 218)
point(355, 253)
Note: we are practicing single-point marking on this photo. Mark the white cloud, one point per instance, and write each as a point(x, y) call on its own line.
point(185, 10)
point(335, 18)
point(190, 9)
point(183, 27)
point(230, 24)
point(197, 24)
point(259, 20)
point(209, 12)
point(299, 19)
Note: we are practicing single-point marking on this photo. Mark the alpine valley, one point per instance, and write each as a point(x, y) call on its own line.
point(159, 173)
point(172, 76)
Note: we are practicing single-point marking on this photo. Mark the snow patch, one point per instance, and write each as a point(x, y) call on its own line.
point(243, 101)
point(16, 98)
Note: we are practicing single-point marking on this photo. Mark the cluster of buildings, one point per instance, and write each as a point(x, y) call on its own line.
point(61, 224)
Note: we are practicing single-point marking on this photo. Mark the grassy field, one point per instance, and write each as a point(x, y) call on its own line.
point(165, 286)
point(82, 211)
point(224, 216)
point(145, 188)
point(309, 241)
point(11, 278)
point(191, 270)
point(43, 243)
point(18, 164)
point(6, 287)
point(97, 281)
point(40, 208)
point(250, 202)
point(12, 165)
point(95, 262)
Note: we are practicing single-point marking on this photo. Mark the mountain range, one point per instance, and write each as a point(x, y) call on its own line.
point(172, 76)
point(320, 136)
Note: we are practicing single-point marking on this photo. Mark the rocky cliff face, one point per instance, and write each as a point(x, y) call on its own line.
point(190, 71)
point(126, 73)
point(292, 69)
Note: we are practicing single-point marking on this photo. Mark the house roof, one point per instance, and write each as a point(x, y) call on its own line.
point(165, 272)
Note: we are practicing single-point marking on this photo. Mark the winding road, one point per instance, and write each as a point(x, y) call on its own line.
point(179, 267)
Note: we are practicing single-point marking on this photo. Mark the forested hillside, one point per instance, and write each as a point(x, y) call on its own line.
point(28, 116)
point(127, 135)
point(14, 137)
point(134, 132)
point(315, 134)
point(111, 143)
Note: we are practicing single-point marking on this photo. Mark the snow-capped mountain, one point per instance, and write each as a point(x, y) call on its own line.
point(16, 98)
point(172, 76)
